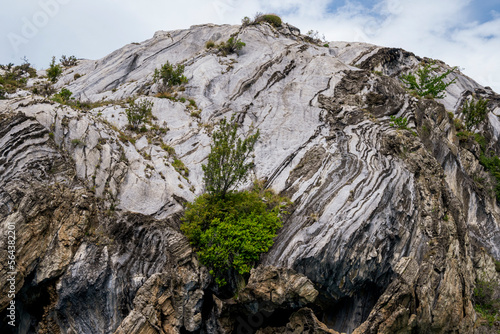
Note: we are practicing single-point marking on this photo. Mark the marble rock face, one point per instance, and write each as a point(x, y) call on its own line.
point(389, 228)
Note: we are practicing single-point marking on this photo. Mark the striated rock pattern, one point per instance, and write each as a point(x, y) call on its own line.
point(389, 230)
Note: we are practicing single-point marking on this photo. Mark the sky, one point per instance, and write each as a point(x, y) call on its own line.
point(463, 33)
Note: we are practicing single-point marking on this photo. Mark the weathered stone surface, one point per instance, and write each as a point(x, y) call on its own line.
point(388, 228)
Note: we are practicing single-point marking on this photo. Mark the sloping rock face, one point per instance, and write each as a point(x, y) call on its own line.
point(389, 228)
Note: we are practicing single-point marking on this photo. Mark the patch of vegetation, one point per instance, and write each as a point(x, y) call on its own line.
point(451, 116)
point(259, 17)
point(246, 21)
point(180, 167)
point(54, 71)
point(475, 112)
point(209, 44)
point(228, 164)
point(169, 149)
point(192, 103)
point(232, 45)
point(426, 84)
point(313, 36)
point(170, 75)
point(492, 164)
point(272, 19)
point(229, 229)
point(196, 114)
point(15, 77)
point(486, 301)
point(77, 142)
point(481, 141)
point(125, 138)
point(230, 234)
point(458, 124)
point(399, 122)
point(63, 96)
point(138, 112)
point(166, 95)
point(68, 61)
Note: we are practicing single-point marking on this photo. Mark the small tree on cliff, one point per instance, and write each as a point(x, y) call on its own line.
point(427, 84)
point(229, 229)
point(228, 163)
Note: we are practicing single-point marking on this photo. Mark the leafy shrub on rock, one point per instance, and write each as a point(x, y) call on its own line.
point(427, 84)
point(232, 45)
point(138, 112)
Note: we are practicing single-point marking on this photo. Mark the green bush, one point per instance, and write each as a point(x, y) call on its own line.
point(228, 229)
point(138, 112)
point(170, 75)
point(232, 45)
point(492, 165)
point(230, 233)
point(458, 124)
point(15, 77)
point(68, 61)
point(209, 44)
point(399, 122)
point(475, 112)
point(427, 84)
point(180, 167)
point(63, 96)
point(485, 302)
point(54, 71)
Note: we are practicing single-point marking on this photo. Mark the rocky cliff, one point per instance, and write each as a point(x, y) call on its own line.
point(390, 230)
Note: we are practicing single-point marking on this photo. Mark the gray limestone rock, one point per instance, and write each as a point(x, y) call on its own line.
point(389, 230)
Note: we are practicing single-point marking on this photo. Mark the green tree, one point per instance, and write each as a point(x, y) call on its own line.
point(475, 112)
point(228, 164)
point(138, 112)
point(54, 70)
point(427, 84)
point(230, 233)
point(170, 75)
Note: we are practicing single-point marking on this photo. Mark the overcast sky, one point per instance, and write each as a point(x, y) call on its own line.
point(464, 33)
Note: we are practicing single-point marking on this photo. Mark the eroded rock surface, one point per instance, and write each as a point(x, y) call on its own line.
point(389, 230)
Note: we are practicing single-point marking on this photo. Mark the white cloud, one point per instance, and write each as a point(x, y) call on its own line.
point(442, 29)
